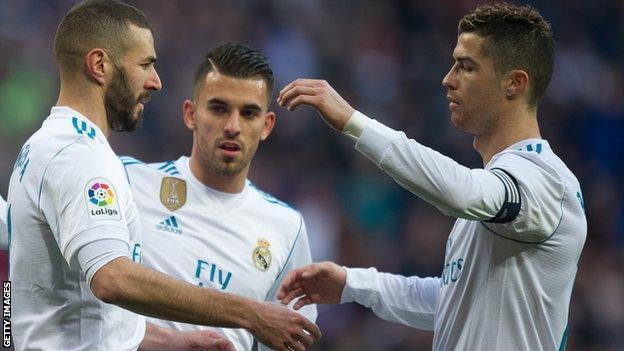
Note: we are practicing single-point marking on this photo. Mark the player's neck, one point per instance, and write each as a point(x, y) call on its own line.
point(223, 183)
point(510, 130)
point(89, 102)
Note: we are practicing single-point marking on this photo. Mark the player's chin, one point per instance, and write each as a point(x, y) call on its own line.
point(458, 120)
point(138, 111)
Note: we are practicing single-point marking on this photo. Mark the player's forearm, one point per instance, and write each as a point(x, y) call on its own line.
point(410, 301)
point(474, 194)
point(150, 293)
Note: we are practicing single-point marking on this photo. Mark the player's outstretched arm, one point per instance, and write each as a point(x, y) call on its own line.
point(165, 339)
point(410, 301)
point(317, 93)
point(454, 189)
point(151, 293)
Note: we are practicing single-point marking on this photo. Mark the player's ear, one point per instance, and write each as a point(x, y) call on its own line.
point(269, 123)
point(516, 83)
point(98, 66)
point(188, 114)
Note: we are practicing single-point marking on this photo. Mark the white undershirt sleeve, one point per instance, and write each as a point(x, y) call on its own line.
point(4, 234)
point(95, 254)
point(473, 194)
point(410, 301)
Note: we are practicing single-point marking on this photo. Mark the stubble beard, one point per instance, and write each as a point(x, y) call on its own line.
point(121, 104)
point(227, 166)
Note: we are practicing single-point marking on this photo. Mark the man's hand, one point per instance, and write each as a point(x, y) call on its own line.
point(202, 340)
point(315, 283)
point(281, 329)
point(320, 95)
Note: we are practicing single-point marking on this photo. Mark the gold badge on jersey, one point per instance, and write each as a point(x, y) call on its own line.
point(173, 193)
point(261, 255)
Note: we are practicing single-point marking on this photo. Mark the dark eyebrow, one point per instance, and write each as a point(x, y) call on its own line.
point(217, 101)
point(254, 108)
point(465, 59)
point(150, 59)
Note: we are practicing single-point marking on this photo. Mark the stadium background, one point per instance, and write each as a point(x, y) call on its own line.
point(387, 58)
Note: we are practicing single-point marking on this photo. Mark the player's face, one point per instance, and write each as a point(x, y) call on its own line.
point(229, 119)
point(134, 79)
point(475, 92)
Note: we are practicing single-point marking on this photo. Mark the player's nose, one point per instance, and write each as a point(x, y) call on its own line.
point(153, 82)
point(233, 127)
point(449, 80)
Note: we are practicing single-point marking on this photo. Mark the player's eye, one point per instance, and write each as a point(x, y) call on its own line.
point(217, 109)
point(250, 114)
point(467, 68)
point(147, 65)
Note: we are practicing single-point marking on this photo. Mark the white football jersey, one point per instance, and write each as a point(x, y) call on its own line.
point(511, 258)
point(68, 189)
point(507, 286)
point(237, 243)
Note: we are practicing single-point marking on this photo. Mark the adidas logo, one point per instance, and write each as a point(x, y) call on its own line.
point(169, 225)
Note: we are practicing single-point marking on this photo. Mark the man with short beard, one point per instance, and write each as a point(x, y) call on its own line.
point(202, 219)
point(76, 237)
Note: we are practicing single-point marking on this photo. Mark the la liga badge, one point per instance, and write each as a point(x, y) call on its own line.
point(101, 200)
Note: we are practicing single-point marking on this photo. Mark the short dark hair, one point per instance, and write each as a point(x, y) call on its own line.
point(91, 24)
point(517, 38)
point(235, 60)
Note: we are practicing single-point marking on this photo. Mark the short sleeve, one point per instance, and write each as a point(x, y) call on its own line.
point(85, 198)
point(541, 191)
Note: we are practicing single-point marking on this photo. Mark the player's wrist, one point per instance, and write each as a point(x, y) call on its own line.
point(355, 124)
point(249, 318)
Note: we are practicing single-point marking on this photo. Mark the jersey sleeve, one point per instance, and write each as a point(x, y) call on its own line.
point(411, 301)
point(299, 256)
point(4, 235)
point(85, 199)
point(473, 194)
point(540, 192)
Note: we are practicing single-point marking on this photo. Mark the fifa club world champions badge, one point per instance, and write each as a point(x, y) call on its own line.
point(262, 255)
point(173, 193)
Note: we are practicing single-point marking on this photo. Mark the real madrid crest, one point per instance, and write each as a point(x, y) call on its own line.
point(173, 193)
point(261, 255)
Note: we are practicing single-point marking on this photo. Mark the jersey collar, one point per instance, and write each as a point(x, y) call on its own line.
point(533, 144)
point(229, 202)
point(68, 112)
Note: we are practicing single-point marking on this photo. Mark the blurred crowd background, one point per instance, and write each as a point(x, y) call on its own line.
point(388, 59)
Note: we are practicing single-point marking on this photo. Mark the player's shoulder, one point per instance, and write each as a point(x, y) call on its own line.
point(63, 125)
point(273, 206)
point(140, 172)
point(67, 142)
point(534, 158)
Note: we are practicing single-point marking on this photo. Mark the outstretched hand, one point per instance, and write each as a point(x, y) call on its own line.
point(317, 283)
point(321, 96)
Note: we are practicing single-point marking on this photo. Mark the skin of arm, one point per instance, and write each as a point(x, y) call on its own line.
point(151, 293)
